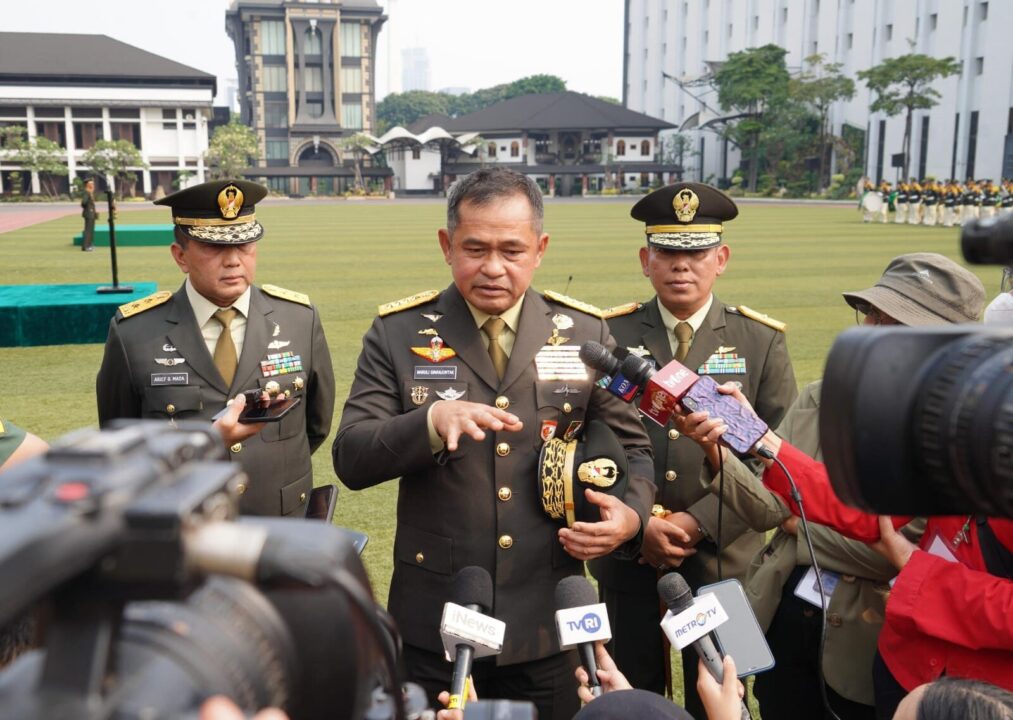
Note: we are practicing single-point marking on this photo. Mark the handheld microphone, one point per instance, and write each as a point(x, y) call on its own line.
point(468, 633)
point(596, 356)
point(580, 621)
point(690, 622)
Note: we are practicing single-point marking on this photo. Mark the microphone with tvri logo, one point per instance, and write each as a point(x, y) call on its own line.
point(596, 356)
point(691, 621)
point(467, 633)
point(580, 621)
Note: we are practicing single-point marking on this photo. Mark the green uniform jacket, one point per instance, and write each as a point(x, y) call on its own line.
point(768, 382)
point(480, 505)
point(857, 607)
point(186, 385)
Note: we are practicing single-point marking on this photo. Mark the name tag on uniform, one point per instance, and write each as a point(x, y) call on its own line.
point(435, 372)
point(158, 379)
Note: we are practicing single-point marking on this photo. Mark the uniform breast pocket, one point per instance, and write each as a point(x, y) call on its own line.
point(422, 393)
point(173, 402)
point(561, 407)
point(294, 423)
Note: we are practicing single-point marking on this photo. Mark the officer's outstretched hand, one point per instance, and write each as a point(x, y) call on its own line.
point(587, 541)
point(453, 418)
point(229, 427)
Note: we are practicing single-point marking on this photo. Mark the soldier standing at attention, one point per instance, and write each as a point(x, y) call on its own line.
point(181, 356)
point(455, 393)
point(684, 321)
point(89, 215)
point(901, 203)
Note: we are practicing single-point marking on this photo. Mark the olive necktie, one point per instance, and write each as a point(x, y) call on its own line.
point(225, 348)
point(684, 334)
point(493, 328)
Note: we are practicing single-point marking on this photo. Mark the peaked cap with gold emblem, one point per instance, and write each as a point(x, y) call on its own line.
point(220, 212)
point(685, 216)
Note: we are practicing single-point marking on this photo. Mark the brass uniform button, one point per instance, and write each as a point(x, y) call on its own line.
point(673, 434)
point(502, 402)
point(241, 488)
point(272, 388)
point(170, 408)
point(298, 383)
point(506, 542)
point(505, 493)
point(835, 620)
point(238, 447)
point(503, 449)
point(567, 407)
point(671, 475)
point(658, 511)
point(302, 497)
point(419, 557)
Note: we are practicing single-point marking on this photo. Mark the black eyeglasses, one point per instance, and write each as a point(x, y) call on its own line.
point(875, 316)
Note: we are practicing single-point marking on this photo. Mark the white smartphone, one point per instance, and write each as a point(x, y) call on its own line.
point(740, 636)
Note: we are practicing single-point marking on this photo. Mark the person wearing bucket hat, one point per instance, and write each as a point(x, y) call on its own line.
point(683, 256)
point(916, 289)
point(182, 355)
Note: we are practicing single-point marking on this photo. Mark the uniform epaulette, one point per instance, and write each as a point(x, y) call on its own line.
point(408, 302)
point(290, 295)
point(145, 303)
point(573, 303)
point(619, 310)
point(759, 317)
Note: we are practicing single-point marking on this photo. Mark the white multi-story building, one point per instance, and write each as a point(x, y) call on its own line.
point(669, 44)
point(78, 89)
point(414, 69)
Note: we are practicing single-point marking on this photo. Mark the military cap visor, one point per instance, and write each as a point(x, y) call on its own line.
point(221, 212)
point(685, 216)
point(567, 467)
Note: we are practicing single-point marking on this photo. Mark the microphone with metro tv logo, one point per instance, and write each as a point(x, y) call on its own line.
point(468, 633)
point(691, 621)
point(580, 621)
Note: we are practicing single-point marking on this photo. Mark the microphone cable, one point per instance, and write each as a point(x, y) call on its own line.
point(796, 496)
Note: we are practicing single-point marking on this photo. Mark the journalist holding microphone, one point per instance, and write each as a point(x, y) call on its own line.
point(949, 610)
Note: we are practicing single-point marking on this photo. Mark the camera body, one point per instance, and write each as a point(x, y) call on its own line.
point(155, 597)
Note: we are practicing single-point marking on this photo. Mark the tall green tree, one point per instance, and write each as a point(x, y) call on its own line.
point(820, 85)
point(904, 84)
point(233, 148)
point(752, 82)
point(39, 155)
point(118, 158)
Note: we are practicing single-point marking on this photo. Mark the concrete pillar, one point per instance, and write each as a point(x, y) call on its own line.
point(68, 130)
point(583, 185)
point(552, 186)
point(36, 185)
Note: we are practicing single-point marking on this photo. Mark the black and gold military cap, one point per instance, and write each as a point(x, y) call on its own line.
point(566, 467)
point(220, 212)
point(685, 216)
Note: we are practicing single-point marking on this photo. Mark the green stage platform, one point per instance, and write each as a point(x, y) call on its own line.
point(131, 235)
point(60, 314)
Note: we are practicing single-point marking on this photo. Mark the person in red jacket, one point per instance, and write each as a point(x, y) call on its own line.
point(950, 611)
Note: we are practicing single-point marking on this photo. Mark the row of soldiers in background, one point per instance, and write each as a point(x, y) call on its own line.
point(931, 202)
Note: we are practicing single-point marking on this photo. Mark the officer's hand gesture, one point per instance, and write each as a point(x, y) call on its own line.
point(453, 418)
point(587, 541)
point(666, 543)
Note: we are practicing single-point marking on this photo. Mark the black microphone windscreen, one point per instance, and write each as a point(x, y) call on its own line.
point(574, 591)
point(636, 369)
point(472, 585)
point(595, 355)
point(674, 591)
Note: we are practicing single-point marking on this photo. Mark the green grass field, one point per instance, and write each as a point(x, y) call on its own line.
point(791, 262)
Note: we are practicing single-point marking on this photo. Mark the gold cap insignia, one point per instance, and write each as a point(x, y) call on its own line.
point(600, 472)
point(230, 201)
point(685, 204)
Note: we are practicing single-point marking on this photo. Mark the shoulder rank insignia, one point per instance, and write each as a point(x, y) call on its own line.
point(760, 318)
point(575, 304)
point(145, 303)
point(408, 302)
point(290, 295)
point(618, 310)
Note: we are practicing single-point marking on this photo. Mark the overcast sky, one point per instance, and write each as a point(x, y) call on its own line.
point(471, 43)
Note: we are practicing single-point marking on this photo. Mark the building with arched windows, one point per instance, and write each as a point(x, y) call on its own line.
point(307, 82)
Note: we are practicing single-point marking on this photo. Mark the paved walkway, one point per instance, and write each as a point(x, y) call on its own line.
point(14, 216)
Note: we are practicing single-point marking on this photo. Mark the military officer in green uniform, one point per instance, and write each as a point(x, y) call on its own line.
point(89, 214)
point(182, 355)
point(455, 393)
point(683, 257)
